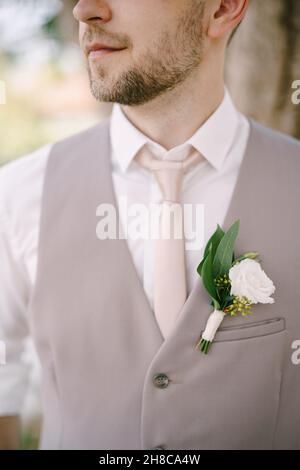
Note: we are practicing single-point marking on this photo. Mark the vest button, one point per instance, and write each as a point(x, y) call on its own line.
point(161, 380)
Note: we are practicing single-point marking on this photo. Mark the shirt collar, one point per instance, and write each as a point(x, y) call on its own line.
point(213, 139)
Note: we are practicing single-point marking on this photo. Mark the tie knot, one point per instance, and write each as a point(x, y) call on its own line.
point(168, 173)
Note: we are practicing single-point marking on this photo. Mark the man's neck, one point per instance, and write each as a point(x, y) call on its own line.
point(174, 117)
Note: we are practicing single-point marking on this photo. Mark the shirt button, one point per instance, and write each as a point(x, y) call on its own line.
point(161, 380)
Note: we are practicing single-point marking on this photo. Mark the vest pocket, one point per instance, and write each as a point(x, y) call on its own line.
point(239, 382)
point(250, 330)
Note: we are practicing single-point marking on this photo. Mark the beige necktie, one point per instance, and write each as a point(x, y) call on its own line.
point(170, 289)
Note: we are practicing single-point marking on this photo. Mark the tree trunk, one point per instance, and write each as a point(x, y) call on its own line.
point(263, 64)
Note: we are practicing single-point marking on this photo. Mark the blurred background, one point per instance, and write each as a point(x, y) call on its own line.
point(48, 97)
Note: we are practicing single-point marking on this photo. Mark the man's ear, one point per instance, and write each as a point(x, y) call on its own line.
point(226, 15)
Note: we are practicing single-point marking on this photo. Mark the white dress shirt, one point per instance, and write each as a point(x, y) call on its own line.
point(222, 140)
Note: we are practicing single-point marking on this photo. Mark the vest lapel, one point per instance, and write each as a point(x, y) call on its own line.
point(121, 246)
point(197, 303)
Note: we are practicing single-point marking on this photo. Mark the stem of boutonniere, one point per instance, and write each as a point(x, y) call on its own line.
point(214, 321)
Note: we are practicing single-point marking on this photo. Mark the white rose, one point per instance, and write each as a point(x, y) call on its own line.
point(249, 280)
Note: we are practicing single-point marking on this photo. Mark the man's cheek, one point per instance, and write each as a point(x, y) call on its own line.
point(81, 31)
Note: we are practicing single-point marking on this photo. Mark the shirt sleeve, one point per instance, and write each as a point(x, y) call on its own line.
point(14, 331)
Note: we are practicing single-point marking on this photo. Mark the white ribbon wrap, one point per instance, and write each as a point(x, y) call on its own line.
point(214, 321)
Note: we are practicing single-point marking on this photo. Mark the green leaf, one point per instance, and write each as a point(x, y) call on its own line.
point(250, 255)
point(227, 301)
point(208, 280)
point(216, 304)
point(200, 266)
point(212, 245)
point(215, 240)
point(223, 258)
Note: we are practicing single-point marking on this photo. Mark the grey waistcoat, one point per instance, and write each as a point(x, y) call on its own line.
point(100, 345)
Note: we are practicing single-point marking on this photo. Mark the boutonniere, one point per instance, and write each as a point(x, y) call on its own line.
point(233, 285)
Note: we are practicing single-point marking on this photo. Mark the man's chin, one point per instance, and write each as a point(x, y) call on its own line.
point(102, 93)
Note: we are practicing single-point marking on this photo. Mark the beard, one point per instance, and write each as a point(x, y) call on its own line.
point(162, 67)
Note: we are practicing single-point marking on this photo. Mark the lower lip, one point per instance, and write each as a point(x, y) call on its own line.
point(102, 52)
